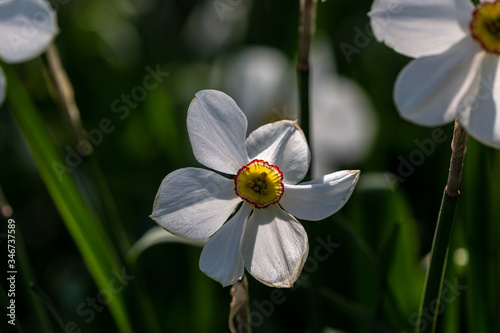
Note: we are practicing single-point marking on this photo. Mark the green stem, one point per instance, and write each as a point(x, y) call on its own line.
point(306, 31)
point(429, 307)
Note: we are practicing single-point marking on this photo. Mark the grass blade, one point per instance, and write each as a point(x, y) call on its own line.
point(93, 243)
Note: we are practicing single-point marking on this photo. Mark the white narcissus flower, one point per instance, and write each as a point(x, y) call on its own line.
point(262, 235)
point(456, 72)
point(26, 29)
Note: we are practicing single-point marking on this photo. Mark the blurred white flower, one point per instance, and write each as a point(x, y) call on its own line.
point(263, 82)
point(255, 77)
point(211, 27)
point(26, 29)
point(260, 201)
point(343, 124)
point(455, 73)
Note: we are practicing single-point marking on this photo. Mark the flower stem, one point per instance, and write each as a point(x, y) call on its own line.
point(239, 308)
point(459, 147)
point(429, 307)
point(306, 31)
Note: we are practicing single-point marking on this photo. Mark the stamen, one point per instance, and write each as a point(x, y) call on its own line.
point(259, 183)
point(485, 26)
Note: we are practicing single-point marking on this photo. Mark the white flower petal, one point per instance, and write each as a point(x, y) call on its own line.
point(3, 86)
point(26, 29)
point(274, 247)
point(321, 197)
point(221, 258)
point(431, 90)
point(482, 120)
point(194, 203)
point(217, 130)
point(283, 144)
point(423, 27)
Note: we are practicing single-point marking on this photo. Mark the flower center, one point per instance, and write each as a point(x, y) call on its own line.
point(485, 26)
point(259, 183)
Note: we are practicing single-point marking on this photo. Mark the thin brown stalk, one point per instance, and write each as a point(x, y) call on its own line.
point(306, 31)
point(459, 147)
point(65, 94)
point(240, 309)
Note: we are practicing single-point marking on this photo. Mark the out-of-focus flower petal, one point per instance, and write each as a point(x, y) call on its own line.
point(283, 144)
point(343, 123)
point(275, 247)
point(321, 197)
point(3, 86)
point(26, 29)
point(420, 28)
point(214, 25)
point(194, 203)
point(217, 130)
point(432, 90)
point(255, 71)
point(221, 258)
point(482, 119)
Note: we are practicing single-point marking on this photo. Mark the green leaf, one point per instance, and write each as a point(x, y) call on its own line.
point(154, 236)
point(383, 218)
point(356, 311)
point(87, 232)
point(437, 266)
point(482, 239)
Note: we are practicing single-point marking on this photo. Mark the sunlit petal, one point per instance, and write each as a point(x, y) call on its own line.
point(420, 28)
point(194, 203)
point(432, 90)
point(319, 198)
point(221, 258)
point(283, 144)
point(482, 119)
point(275, 247)
point(217, 130)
